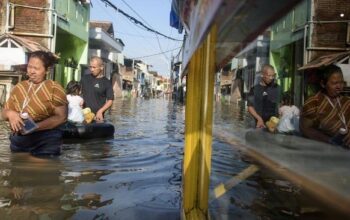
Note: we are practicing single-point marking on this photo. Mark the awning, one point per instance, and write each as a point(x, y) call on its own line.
point(28, 45)
point(326, 60)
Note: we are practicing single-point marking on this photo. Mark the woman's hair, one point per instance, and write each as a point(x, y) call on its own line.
point(73, 88)
point(328, 71)
point(48, 58)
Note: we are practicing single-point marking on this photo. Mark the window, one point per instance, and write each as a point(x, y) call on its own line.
point(9, 43)
point(4, 44)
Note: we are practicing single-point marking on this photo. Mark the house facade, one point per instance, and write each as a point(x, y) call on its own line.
point(56, 26)
point(143, 77)
point(313, 34)
point(313, 29)
point(14, 53)
point(71, 38)
point(60, 26)
point(102, 43)
point(177, 83)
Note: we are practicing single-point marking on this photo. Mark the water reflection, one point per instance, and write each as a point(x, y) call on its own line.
point(32, 191)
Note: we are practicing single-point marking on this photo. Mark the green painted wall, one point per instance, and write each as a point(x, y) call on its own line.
point(291, 27)
point(282, 60)
point(70, 47)
point(72, 38)
point(286, 48)
point(77, 17)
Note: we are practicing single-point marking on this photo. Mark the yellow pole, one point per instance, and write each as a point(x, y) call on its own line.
point(198, 125)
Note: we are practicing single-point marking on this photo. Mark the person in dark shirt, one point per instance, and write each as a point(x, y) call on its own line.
point(97, 89)
point(263, 98)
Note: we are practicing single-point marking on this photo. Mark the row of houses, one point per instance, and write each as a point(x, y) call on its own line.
point(64, 28)
point(314, 34)
point(140, 81)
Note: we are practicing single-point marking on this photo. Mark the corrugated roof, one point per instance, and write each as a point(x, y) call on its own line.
point(325, 60)
point(29, 45)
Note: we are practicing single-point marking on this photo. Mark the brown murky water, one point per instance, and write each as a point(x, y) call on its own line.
point(137, 174)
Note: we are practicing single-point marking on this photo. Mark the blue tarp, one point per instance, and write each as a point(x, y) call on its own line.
point(174, 17)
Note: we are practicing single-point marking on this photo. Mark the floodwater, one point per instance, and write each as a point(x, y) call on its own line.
point(137, 174)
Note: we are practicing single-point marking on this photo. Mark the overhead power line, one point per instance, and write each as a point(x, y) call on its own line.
point(160, 47)
point(137, 22)
point(135, 58)
point(135, 35)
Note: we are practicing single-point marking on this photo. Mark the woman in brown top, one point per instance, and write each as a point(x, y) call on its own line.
point(44, 101)
point(326, 115)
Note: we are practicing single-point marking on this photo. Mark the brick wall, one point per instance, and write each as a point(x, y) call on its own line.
point(2, 16)
point(31, 20)
point(330, 9)
point(331, 34)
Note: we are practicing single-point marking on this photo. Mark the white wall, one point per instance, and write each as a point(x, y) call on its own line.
point(346, 72)
point(113, 57)
point(11, 56)
point(120, 58)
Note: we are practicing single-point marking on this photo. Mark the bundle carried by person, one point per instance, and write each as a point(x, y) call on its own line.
point(88, 115)
point(289, 116)
point(272, 124)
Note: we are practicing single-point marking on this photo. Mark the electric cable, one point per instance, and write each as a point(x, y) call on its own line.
point(135, 21)
point(159, 45)
point(100, 4)
point(135, 58)
point(134, 35)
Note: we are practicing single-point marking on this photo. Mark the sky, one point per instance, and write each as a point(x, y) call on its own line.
point(139, 43)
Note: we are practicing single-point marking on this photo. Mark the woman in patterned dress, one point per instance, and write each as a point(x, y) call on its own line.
point(326, 115)
point(46, 104)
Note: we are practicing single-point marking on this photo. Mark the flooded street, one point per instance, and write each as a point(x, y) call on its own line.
point(137, 175)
